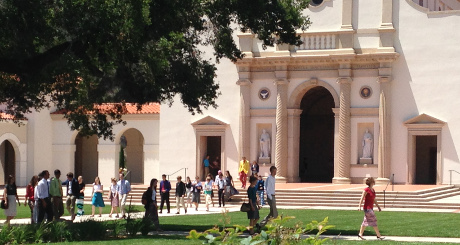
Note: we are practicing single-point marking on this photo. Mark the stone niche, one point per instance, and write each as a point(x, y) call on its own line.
point(264, 148)
point(366, 143)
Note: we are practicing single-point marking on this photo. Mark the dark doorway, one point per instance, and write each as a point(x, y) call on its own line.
point(8, 160)
point(86, 158)
point(425, 159)
point(316, 150)
point(213, 150)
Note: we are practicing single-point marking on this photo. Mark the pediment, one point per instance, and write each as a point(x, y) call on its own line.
point(424, 119)
point(208, 121)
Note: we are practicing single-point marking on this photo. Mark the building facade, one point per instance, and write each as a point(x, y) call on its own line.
point(372, 91)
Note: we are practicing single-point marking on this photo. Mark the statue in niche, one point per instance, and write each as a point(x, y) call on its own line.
point(264, 144)
point(368, 144)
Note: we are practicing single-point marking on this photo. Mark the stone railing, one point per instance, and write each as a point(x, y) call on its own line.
point(317, 41)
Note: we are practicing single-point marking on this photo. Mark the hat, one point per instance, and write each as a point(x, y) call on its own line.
point(219, 172)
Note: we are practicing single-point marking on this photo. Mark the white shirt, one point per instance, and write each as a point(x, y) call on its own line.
point(114, 188)
point(221, 183)
point(270, 186)
point(123, 187)
point(43, 189)
point(96, 187)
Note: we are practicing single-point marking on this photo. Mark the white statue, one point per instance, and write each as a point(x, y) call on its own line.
point(264, 144)
point(367, 145)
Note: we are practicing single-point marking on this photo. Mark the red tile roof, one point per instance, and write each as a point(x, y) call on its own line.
point(6, 116)
point(150, 108)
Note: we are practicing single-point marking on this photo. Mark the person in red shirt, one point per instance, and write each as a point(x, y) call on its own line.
point(369, 215)
point(30, 200)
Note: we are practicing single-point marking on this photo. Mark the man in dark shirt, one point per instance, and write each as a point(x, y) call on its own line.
point(72, 192)
point(180, 194)
point(165, 187)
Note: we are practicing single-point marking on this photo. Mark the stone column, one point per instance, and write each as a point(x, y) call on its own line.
point(63, 159)
point(108, 161)
point(342, 174)
point(384, 161)
point(293, 145)
point(281, 128)
point(245, 94)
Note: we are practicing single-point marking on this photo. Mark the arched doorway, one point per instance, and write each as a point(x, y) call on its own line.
point(7, 160)
point(86, 157)
point(316, 141)
point(134, 155)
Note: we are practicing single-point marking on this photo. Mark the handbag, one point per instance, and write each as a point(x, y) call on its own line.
point(3, 206)
point(245, 207)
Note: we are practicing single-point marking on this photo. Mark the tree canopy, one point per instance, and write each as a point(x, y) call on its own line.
point(74, 54)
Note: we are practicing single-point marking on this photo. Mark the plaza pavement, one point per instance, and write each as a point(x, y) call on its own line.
point(235, 208)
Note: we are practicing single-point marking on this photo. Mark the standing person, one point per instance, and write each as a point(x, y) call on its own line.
point(124, 188)
point(81, 197)
point(206, 166)
point(44, 201)
point(197, 186)
point(40, 177)
point(369, 216)
point(270, 190)
point(260, 190)
point(72, 192)
point(207, 192)
point(180, 194)
point(10, 195)
point(243, 171)
point(165, 188)
point(254, 168)
point(149, 199)
point(221, 184)
point(56, 195)
point(113, 196)
point(230, 185)
point(215, 166)
point(97, 200)
point(29, 198)
point(253, 214)
point(212, 189)
point(188, 188)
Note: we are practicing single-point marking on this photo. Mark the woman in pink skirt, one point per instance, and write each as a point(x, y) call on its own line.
point(369, 215)
point(113, 196)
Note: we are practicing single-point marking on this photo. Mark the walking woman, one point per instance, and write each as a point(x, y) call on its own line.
point(253, 214)
point(10, 195)
point(30, 200)
point(188, 192)
point(149, 199)
point(113, 196)
point(369, 215)
point(80, 197)
point(97, 200)
point(230, 188)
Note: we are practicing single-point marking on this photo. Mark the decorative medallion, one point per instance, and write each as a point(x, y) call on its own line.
point(264, 93)
point(365, 92)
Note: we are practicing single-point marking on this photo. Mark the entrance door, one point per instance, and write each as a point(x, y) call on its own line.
point(213, 149)
point(316, 152)
point(425, 159)
point(7, 160)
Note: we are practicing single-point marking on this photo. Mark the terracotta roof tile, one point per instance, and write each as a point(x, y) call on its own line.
point(6, 116)
point(150, 108)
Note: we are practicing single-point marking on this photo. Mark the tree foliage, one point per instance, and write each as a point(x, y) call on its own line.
point(73, 54)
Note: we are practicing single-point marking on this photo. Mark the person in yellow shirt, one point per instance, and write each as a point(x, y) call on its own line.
point(243, 171)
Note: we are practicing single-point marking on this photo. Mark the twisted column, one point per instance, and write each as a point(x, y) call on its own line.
point(344, 142)
point(281, 128)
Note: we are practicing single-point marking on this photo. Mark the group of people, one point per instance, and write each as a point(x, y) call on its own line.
point(45, 196)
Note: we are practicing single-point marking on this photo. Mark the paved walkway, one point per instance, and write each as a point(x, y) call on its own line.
point(235, 208)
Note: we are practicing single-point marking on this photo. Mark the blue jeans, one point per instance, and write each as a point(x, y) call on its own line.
point(261, 196)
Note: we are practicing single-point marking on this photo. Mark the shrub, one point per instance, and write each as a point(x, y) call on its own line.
point(90, 230)
point(5, 235)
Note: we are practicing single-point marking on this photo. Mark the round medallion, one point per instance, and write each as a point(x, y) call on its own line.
point(264, 93)
point(365, 92)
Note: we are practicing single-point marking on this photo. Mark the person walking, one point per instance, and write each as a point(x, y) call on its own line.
point(271, 199)
point(196, 188)
point(369, 216)
point(254, 168)
point(30, 196)
point(124, 188)
point(229, 185)
point(113, 196)
point(206, 166)
point(72, 192)
point(253, 214)
point(10, 196)
point(221, 184)
point(44, 201)
point(243, 171)
point(165, 188)
point(97, 200)
point(180, 194)
point(208, 192)
point(260, 190)
point(149, 199)
point(56, 195)
point(81, 197)
point(188, 192)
